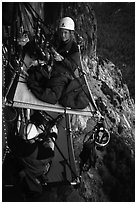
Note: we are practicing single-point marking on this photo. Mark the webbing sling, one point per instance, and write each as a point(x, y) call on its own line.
point(89, 96)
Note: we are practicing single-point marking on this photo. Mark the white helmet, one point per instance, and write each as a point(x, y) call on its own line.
point(67, 23)
point(32, 131)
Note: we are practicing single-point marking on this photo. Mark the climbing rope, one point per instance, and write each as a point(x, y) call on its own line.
point(6, 149)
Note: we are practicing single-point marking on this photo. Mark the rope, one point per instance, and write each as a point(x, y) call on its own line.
point(4, 132)
point(6, 149)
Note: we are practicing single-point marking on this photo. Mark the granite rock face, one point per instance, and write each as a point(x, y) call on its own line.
point(113, 174)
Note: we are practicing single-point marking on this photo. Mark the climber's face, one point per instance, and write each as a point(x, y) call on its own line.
point(65, 35)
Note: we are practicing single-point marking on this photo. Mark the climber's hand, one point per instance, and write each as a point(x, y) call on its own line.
point(34, 63)
point(58, 57)
point(37, 62)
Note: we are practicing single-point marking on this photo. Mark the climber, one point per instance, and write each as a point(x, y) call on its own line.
point(34, 154)
point(66, 61)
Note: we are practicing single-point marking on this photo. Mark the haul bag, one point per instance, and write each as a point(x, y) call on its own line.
point(76, 95)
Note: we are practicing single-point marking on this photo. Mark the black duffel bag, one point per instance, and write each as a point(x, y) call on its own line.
point(76, 95)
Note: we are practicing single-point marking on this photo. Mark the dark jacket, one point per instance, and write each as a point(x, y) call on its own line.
point(71, 60)
point(50, 90)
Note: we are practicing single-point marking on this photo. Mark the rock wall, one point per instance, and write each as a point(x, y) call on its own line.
point(113, 177)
